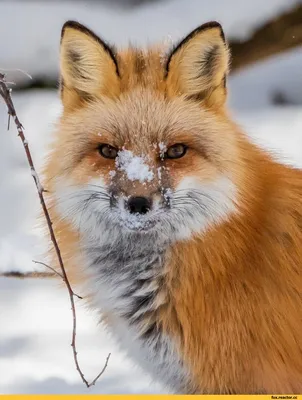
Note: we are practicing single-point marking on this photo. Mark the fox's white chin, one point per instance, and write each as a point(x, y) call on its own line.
point(137, 222)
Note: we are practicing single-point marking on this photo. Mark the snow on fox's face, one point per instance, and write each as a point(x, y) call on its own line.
point(144, 164)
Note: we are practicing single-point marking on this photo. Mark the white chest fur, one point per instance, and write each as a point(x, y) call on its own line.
point(126, 280)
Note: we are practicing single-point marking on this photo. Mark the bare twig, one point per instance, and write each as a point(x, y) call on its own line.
point(101, 373)
point(24, 275)
point(57, 273)
point(49, 267)
point(5, 93)
point(16, 70)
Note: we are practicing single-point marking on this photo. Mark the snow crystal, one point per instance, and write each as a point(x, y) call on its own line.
point(162, 149)
point(168, 194)
point(159, 173)
point(134, 221)
point(112, 174)
point(37, 180)
point(135, 167)
point(168, 43)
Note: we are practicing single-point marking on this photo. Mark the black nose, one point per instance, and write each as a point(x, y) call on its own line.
point(140, 205)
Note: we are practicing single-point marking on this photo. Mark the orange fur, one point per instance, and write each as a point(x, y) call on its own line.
point(234, 293)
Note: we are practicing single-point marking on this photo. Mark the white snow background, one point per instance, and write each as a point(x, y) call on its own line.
point(35, 317)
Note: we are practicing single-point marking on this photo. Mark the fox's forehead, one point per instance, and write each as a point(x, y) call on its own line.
point(143, 116)
point(142, 67)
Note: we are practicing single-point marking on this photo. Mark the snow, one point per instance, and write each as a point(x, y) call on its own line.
point(35, 316)
point(133, 221)
point(112, 174)
point(159, 172)
point(34, 28)
point(19, 203)
point(35, 352)
point(135, 167)
point(162, 149)
point(37, 180)
point(278, 129)
point(256, 86)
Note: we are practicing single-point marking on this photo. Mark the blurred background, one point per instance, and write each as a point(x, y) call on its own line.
point(265, 87)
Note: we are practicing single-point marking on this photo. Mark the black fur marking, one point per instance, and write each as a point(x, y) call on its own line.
point(208, 25)
point(143, 301)
point(198, 97)
point(137, 285)
point(151, 332)
point(75, 59)
point(208, 63)
point(61, 85)
point(109, 49)
point(131, 270)
point(74, 56)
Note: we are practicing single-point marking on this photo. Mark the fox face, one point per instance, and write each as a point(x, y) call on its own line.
point(140, 136)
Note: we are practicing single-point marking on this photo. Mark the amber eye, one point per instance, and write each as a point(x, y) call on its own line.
point(107, 151)
point(176, 151)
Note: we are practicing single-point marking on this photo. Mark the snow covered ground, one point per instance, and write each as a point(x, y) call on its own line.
point(35, 352)
point(35, 317)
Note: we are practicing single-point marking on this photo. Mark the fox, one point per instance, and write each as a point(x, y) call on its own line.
point(183, 235)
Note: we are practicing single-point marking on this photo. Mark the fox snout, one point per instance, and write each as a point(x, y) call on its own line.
point(139, 205)
point(140, 202)
point(137, 185)
point(138, 209)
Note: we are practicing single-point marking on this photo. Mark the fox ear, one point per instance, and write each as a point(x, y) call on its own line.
point(88, 66)
point(197, 67)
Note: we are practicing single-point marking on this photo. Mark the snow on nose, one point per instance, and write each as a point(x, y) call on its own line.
point(135, 167)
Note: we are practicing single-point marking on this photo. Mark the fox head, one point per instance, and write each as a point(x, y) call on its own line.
point(144, 144)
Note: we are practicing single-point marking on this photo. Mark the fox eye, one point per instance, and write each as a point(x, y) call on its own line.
point(176, 151)
point(107, 151)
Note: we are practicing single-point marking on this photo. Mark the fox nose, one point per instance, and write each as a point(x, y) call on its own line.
point(139, 205)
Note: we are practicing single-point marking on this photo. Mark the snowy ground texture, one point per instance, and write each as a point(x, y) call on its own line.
point(35, 317)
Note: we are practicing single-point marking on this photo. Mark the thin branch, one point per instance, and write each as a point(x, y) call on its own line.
point(5, 93)
point(24, 275)
point(18, 70)
point(101, 373)
point(49, 267)
point(57, 273)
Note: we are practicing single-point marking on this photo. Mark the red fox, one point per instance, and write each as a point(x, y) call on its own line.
point(183, 234)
